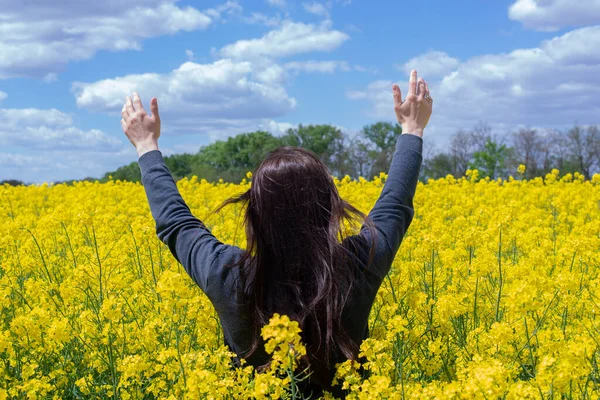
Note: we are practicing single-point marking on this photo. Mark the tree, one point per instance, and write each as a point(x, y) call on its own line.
point(491, 160)
point(361, 155)
point(341, 163)
point(130, 172)
point(12, 182)
point(560, 156)
point(233, 158)
point(371, 151)
point(464, 145)
point(546, 155)
point(584, 146)
point(323, 140)
point(461, 152)
point(384, 136)
point(479, 136)
point(438, 166)
point(529, 149)
point(179, 164)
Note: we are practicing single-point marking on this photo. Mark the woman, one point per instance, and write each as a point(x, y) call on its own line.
point(296, 261)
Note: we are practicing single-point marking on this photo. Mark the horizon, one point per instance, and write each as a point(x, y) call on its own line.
point(224, 68)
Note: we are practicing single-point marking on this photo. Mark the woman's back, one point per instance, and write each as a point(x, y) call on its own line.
point(391, 215)
point(243, 297)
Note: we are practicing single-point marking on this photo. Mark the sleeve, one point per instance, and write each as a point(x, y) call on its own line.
point(393, 212)
point(188, 239)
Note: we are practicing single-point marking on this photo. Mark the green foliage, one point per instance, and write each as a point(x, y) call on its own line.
point(320, 139)
point(230, 160)
point(12, 182)
point(439, 166)
point(371, 152)
point(383, 135)
point(491, 160)
point(179, 164)
point(129, 172)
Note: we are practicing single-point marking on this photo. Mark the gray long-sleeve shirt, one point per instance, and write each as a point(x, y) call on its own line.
point(204, 257)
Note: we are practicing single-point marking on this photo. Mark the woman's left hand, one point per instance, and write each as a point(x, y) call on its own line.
point(141, 129)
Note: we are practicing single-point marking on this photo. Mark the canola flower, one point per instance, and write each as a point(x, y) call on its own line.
point(495, 293)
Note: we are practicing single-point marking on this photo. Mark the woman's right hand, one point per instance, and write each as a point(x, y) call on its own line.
point(413, 113)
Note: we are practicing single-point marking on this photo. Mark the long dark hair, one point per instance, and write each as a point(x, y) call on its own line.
point(295, 262)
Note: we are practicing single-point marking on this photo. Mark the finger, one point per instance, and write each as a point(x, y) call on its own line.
point(154, 109)
point(397, 93)
point(412, 83)
point(123, 125)
point(421, 89)
point(124, 112)
point(427, 93)
point(137, 102)
point(129, 106)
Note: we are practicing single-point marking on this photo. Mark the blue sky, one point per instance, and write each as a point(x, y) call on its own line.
point(220, 68)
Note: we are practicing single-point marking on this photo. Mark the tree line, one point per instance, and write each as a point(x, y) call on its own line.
point(370, 152)
point(572, 150)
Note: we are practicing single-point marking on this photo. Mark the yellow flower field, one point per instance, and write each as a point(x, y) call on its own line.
point(495, 293)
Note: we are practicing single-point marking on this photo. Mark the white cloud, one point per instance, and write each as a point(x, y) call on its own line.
point(189, 54)
point(198, 98)
point(317, 66)
point(39, 40)
point(551, 15)
point(262, 19)
point(316, 8)
point(49, 129)
point(552, 85)
point(57, 165)
point(228, 96)
point(212, 129)
point(431, 64)
point(229, 8)
point(291, 38)
point(269, 73)
point(9, 162)
point(3, 95)
point(46, 146)
point(362, 68)
point(276, 3)
point(372, 92)
point(578, 47)
point(277, 128)
point(221, 130)
point(50, 77)
point(325, 66)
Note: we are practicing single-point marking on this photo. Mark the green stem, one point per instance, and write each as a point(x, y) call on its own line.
point(500, 281)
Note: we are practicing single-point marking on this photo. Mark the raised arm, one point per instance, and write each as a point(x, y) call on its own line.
point(393, 211)
point(188, 239)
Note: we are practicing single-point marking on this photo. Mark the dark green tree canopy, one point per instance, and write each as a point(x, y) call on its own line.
point(370, 152)
point(382, 134)
point(491, 160)
point(320, 139)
